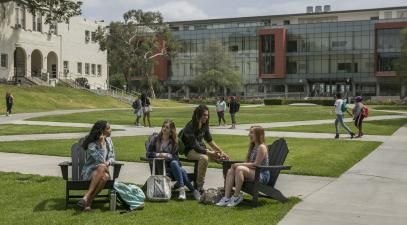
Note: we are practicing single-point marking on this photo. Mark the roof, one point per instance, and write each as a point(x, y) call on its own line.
point(252, 18)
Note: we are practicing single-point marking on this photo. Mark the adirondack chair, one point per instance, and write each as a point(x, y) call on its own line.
point(76, 182)
point(277, 153)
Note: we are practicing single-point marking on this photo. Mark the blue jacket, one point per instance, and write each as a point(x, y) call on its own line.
point(95, 156)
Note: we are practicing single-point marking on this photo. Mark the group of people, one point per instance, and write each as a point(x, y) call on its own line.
point(221, 107)
point(165, 145)
point(358, 114)
point(142, 107)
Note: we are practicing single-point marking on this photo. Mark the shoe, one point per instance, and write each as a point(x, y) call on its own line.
point(352, 135)
point(182, 195)
point(81, 204)
point(223, 202)
point(197, 195)
point(234, 201)
point(336, 136)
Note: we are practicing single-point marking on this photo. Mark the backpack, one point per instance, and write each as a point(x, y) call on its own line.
point(365, 111)
point(237, 106)
point(130, 197)
point(136, 104)
point(181, 145)
point(343, 106)
point(158, 186)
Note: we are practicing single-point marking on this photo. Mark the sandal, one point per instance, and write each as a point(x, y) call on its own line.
point(87, 209)
point(81, 204)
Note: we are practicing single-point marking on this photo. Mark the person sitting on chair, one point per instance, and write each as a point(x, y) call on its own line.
point(240, 172)
point(164, 145)
point(99, 156)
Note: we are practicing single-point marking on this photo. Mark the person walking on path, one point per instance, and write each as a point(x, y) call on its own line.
point(194, 133)
point(257, 155)
point(358, 114)
point(164, 145)
point(138, 110)
point(100, 155)
point(9, 103)
point(339, 109)
point(220, 110)
point(234, 107)
point(145, 103)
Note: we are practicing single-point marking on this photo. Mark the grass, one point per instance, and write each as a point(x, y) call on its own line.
point(328, 158)
point(33, 200)
point(392, 107)
point(182, 115)
point(378, 127)
point(14, 129)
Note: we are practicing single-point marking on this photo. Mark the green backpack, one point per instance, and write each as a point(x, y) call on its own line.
point(343, 106)
point(181, 145)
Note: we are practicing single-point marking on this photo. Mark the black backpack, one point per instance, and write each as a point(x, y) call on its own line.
point(136, 104)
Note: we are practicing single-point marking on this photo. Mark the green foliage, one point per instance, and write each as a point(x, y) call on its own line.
point(273, 101)
point(323, 102)
point(82, 81)
point(117, 80)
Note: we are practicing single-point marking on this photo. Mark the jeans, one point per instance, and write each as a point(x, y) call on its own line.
point(180, 175)
point(339, 119)
point(233, 117)
point(221, 117)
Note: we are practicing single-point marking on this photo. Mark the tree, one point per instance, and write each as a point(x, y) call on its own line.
point(53, 10)
point(401, 63)
point(215, 68)
point(134, 45)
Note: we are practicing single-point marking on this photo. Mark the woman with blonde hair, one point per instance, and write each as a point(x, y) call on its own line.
point(257, 155)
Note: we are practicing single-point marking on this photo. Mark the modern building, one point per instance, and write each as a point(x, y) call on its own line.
point(317, 53)
point(31, 49)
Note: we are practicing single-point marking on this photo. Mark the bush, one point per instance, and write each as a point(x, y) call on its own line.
point(324, 102)
point(82, 81)
point(273, 101)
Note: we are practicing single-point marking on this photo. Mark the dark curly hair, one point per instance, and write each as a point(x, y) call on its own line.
point(94, 133)
point(196, 117)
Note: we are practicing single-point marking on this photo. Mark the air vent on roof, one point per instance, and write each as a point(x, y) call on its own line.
point(310, 9)
point(318, 9)
point(327, 8)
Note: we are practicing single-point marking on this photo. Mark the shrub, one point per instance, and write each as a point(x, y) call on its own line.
point(273, 101)
point(82, 81)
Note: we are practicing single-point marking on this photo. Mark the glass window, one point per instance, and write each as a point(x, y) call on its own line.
point(87, 68)
point(39, 22)
point(4, 60)
point(79, 67)
point(388, 40)
point(87, 36)
point(99, 70)
point(93, 69)
point(93, 37)
point(292, 46)
point(388, 15)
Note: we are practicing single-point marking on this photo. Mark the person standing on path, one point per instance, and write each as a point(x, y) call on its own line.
point(145, 103)
point(338, 109)
point(220, 110)
point(9, 103)
point(138, 110)
point(358, 114)
point(234, 107)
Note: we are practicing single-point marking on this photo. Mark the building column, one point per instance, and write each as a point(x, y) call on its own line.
point(306, 87)
point(286, 90)
point(169, 92)
point(264, 91)
point(187, 90)
point(377, 89)
point(403, 91)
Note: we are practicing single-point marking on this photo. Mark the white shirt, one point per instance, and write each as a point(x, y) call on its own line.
point(338, 106)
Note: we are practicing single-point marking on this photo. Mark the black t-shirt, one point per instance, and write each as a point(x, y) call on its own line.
point(193, 138)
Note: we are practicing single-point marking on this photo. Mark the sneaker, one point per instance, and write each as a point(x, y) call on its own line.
point(234, 201)
point(336, 136)
point(352, 135)
point(223, 202)
point(182, 195)
point(197, 195)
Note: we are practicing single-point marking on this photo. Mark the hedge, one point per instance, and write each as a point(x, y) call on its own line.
point(324, 102)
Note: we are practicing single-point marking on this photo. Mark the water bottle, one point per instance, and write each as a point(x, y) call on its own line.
point(112, 200)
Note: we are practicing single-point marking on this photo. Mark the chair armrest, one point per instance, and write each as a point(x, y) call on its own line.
point(116, 169)
point(64, 169)
point(279, 167)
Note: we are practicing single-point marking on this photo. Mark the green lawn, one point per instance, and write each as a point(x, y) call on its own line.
point(392, 107)
point(307, 156)
point(379, 127)
point(33, 200)
point(14, 129)
point(182, 115)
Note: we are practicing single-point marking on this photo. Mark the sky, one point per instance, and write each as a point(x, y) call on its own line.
point(179, 10)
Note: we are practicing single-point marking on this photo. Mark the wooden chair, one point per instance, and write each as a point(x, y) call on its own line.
point(76, 182)
point(277, 153)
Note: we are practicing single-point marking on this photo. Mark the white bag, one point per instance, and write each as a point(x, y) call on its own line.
point(158, 186)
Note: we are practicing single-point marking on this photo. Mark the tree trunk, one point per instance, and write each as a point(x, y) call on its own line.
point(150, 86)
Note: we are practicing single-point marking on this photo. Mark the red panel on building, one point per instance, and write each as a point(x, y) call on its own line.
point(280, 52)
point(381, 26)
point(161, 66)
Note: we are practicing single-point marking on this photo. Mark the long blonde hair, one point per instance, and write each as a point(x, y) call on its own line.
point(173, 134)
point(259, 137)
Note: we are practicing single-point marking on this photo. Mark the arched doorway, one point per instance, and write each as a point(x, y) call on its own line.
point(36, 63)
point(52, 64)
point(20, 63)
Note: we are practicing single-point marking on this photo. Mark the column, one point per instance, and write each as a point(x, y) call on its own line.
point(377, 89)
point(169, 92)
point(187, 90)
point(286, 90)
point(265, 91)
point(403, 90)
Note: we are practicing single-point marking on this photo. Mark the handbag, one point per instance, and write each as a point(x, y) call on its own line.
point(158, 186)
point(147, 109)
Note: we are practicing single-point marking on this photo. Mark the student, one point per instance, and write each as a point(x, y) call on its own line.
point(9, 103)
point(339, 116)
point(138, 110)
point(100, 155)
point(220, 110)
point(358, 114)
point(233, 109)
point(145, 103)
point(257, 155)
point(164, 145)
point(195, 132)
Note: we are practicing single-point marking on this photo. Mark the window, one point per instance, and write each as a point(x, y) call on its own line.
point(4, 60)
point(79, 67)
point(93, 36)
point(39, 23)
point(93, 69)
point(286, 22)
point(66, 67)
point(374, 18)
point(87, 68)
point(20, 17)
point(402, 14)
point(87, 37)
point(34, 22)
point(292, 46)
point(234, 48)
point(99, 70)
point(388, 15)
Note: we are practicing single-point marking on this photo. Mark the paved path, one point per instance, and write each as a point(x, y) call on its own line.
point(293, 185)
point(372, 192)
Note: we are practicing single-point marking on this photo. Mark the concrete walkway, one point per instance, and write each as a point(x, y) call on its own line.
point(293, 185)
point(372, 192)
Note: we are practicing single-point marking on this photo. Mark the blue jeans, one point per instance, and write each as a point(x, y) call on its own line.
point(180, 175)
point(339, 119)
